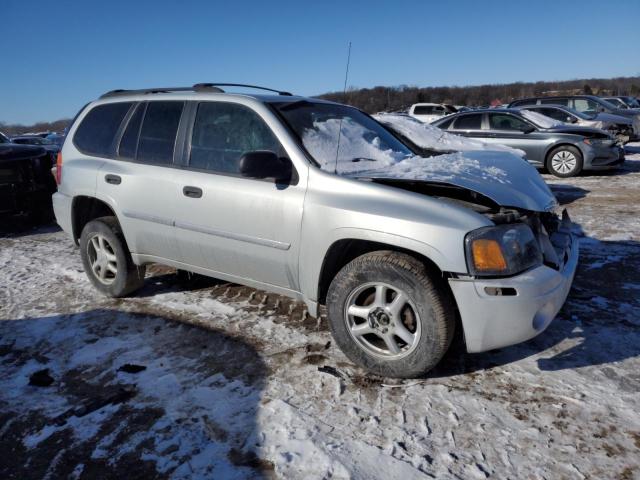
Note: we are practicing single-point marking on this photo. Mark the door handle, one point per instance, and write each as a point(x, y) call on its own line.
point(192, 192)
point(113, 179)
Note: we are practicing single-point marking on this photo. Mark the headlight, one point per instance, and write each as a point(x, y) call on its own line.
point(502, 250)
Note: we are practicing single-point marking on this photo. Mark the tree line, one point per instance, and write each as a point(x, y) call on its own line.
point(378, 99)
point(18, 129)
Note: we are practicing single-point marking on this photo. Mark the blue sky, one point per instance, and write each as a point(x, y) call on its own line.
point(59, 55)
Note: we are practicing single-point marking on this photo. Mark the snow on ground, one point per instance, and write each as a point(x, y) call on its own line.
point(239, 383)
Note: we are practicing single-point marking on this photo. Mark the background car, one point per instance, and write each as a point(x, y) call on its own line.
point(50, 146)
point(26, 183)
point(427, 140)
point(617, 102)
point(428, 112)
point(618, 126)
point(564, 150)
point(630, 102)
point(588, 104)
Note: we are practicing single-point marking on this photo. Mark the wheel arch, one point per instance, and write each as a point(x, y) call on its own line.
point(85, 208)
point(344, 250)
point(562, 143)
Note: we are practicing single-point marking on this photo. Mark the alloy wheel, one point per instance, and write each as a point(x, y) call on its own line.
point(102, 259)
point(564, 162)
point(383, 320)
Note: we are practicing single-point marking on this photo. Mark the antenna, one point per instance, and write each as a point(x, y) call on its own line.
point(344, 93)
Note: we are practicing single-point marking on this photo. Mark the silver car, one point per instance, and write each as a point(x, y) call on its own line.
point(620, 127)
point(564, 150)
point(319, 202)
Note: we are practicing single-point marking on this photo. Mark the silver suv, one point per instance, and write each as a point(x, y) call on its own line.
point(317, 201)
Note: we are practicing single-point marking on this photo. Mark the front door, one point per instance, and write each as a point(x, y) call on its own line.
point(226, 223)
point(509, 130)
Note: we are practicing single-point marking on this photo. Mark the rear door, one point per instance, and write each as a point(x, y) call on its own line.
point(227, 223)
point(140, 178)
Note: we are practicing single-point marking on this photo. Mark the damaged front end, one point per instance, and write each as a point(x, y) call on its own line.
point(520, 268)
point(550, 230)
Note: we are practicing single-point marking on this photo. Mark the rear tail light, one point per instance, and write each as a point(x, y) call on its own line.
point(59, 168)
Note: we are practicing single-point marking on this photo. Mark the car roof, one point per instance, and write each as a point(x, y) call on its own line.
point(488, 110)
point(211, 91)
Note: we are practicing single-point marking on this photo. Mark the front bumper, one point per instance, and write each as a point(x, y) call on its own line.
point(493, 321)
point(603, 157)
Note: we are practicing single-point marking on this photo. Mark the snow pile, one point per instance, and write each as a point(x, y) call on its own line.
point(432, 138)
point(443, 168)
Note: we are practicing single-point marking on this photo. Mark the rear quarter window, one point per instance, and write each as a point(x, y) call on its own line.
point(468, 122)
point(98, 128)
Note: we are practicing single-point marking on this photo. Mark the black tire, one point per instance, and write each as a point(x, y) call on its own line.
point(566, 174)
point(432, 302)
point(129, 277)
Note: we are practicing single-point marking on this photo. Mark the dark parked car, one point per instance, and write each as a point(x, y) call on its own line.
point(49, 145)
point(618, 126)
point(26, 183)
point(588, 104)
point(629, 102)
point(565, 150)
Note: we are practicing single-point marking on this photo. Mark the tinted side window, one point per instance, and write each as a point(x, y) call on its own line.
point(501, 121)
point(446, 124)
point(96, 133)
point(553, 113)
point(468, 122)
point(423, 110)
point(158, 132)
point(223, 132)
point(555, 101)
point(129, 142)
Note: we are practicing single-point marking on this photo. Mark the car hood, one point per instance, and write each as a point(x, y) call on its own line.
point(11, 152)
point(505, 178)
point(610, 117)
point(577, 130)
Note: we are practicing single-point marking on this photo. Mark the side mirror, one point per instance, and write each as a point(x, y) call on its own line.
point(572, 119)
point(265, 164)
point(527, 129)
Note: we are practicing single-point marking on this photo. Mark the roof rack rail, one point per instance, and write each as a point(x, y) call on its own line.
point(198, 87)
point(202, 86)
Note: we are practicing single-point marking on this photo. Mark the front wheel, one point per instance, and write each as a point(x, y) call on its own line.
point(564, 161)
point(389, 315)
point(106, 258)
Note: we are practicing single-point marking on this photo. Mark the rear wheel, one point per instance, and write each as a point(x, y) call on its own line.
point(106, 258)
point(564, 161)
point(389, 315)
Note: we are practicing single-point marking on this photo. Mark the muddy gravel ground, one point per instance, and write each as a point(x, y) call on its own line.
point(197, 378)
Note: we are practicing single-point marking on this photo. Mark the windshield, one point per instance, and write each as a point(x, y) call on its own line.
point(632, 102)
point(539, 119)
point(341, 138)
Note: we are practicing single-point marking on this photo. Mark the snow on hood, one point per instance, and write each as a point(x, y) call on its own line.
point(432, 138)
point(505, 178)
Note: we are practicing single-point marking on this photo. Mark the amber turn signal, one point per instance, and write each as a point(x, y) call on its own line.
point(487, 255)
